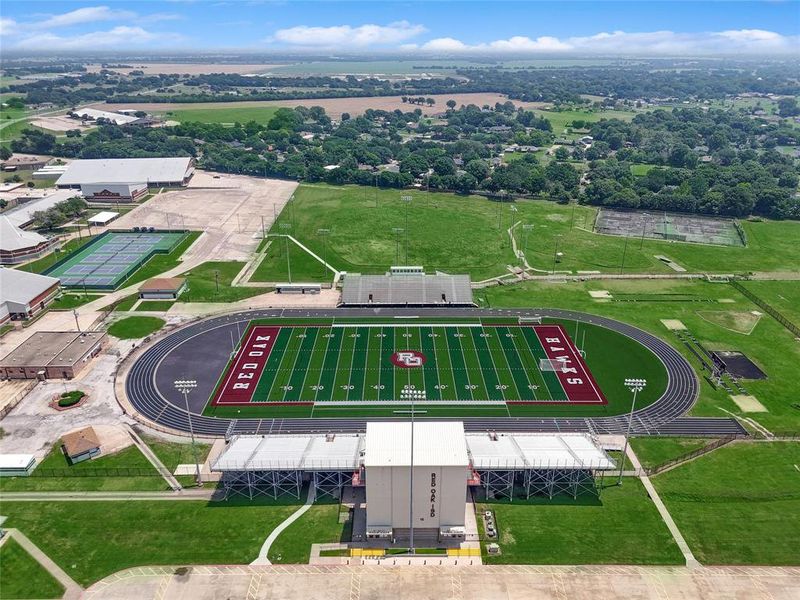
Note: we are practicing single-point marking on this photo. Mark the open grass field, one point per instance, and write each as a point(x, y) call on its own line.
point(654, 451)
point(319, 525)
point(620, 527)
point(108, 537)
point(784, 296)
point(173, 454)
point(738, 504)
point(126, 470)
point(338, 369)
point(225, 115)
point(22, 577)
point(211, 282)
point(362, 238)
point(134, 328)
point(645, 302)
point(561, 120)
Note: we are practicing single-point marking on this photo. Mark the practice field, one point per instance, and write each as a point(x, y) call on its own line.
point(111, 258)
point(388, 363)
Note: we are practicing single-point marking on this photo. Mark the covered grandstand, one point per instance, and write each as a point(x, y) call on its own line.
point(532, 464)
point(407, 290)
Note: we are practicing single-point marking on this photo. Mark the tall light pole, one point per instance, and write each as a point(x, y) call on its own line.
point(527, 228)
point(645, 216)
point(411, 394)
point(398, 231)
point(624, 251)
point(324, 233)
point(407, 200)
point(185, 386)
point(286, 227)
point(635, 386)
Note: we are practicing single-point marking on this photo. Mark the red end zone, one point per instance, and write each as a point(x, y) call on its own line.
point(574, 376)
point(243, 374)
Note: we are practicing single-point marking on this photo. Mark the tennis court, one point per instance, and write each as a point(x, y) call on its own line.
point(111, 258)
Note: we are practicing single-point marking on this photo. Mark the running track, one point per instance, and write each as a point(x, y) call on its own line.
point(195, 351)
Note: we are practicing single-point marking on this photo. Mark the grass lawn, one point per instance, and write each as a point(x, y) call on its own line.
point(655, 451)
point(738, 504)
point(21, 576)
point(319, 525)
point(784, 296)
point(69, 301)
point(127, 303)
point(561, 119)
point(132, 328)
point(155, 305)
point(641, 170)
point(275, 267)
point(362, 238)
point(620, 527)
point(91, 540)
point(128, 470)
point(771, 346)
point(173, 454)
point(224, 114)
point(203, 279)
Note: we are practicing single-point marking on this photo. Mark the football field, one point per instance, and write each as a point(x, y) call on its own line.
point(380, 364)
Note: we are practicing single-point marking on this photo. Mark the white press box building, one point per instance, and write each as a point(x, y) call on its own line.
point(446, 462)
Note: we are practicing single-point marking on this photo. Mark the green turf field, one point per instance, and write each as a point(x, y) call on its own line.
point(471, 369)
point(225, 114)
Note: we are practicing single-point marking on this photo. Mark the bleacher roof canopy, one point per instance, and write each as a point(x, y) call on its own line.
point(291, 452)
point(536, 451)
point(411, 290)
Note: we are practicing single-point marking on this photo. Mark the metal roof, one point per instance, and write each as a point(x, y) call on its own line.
point(536, 451)
point(435, 444)
point(103, 217)
point(11, 462)
point(126, 170)
point(22, 214)
point(441, 290)
point(13, 238)
point(22, 287)
point(291, 452)
point(93, 113)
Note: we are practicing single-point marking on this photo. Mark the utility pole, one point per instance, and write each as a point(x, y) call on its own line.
point(635, 386)
point(286, 227)
point(216, 281)
point(185, 386)
point(555, 254)
point(645, 216)
point(324, 233)
point(572, 220)
point(624, 251)
point(527, 227)
point(407, 200)
point(398, 231)
point(77, 323)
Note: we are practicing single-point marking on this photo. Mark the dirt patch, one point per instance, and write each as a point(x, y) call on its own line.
point(673, 324)
point(740, 322)
point(59, 123)
point(334, 107)
point(186, 68)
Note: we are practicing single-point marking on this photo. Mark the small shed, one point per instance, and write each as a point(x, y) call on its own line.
point(80, 445)
point(16, 465)
point(102, 218)
point(162, 288)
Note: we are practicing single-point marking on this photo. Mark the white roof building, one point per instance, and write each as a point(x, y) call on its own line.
point(13, 239)
point(154, 171)
point(438, 443)
point(94, 114)
point(102, 218)
point(22, 215)
point(19, 288)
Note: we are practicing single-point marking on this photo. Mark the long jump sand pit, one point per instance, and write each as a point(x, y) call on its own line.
point(229, 208)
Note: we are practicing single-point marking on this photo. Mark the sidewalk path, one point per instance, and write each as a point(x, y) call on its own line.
point(691, 561)
point(262, 554)
point(154, 460)
point(73, 590)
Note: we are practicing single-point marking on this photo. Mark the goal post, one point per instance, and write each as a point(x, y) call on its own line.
point(529, 320)
point(550, 365)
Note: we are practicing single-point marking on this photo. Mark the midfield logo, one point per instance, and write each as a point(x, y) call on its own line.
point(408, 359)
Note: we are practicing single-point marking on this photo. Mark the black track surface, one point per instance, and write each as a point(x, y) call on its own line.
point(200, 351)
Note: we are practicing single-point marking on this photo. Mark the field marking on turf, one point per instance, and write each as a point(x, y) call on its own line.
point(464, 361)
point(364, 365)
point(322, 368)
point(294, 362)
point(480, 366)
point(579, 360)
point(533, 386)
point(507, 368)
point(399, 325)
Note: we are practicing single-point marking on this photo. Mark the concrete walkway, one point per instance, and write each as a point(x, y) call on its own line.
point(691, 561)
point(73, 590)
point(192, 494)
point(262, 554)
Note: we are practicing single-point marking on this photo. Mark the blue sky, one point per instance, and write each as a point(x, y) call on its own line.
point(440, 28)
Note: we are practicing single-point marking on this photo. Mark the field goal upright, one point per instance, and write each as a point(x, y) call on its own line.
point(529, 320)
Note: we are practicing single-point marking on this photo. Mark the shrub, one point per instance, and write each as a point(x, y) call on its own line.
point(70, 398)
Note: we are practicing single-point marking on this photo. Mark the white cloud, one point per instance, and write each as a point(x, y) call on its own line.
point(8, 27)
point(346, 36)
point(90, 14)
point(118, 37)
point(621, 42)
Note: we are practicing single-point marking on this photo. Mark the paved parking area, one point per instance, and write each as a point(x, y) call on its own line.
point(478, 583)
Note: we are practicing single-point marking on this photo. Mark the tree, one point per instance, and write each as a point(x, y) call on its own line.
point(561, 153)
point(478, 169)
point(466, 183)
point(787, 107)
point(5, 153)
point(451, 104)
point(345, 116)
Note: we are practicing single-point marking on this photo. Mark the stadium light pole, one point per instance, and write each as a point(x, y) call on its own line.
point(527, 228)
point(185, 386)
point(398, 231)
point(286, 227)
point(410, 394)
point(407, 199)
point(624, 251)
point(324, 233)
point(635, 386)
